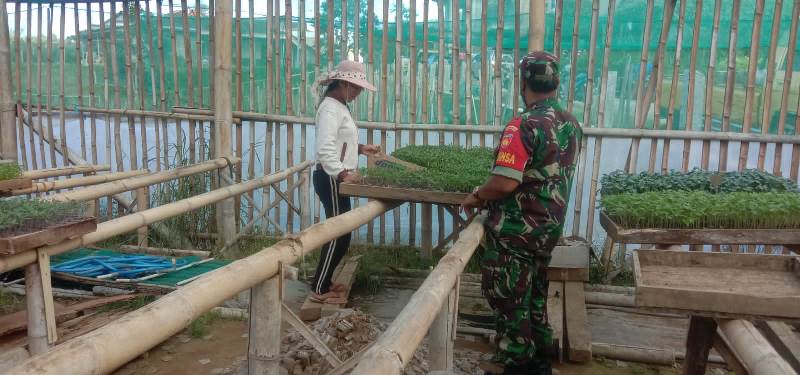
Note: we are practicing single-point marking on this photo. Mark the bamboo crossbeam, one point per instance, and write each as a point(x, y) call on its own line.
point(139, 219)
point(66, 171)
point(116, 187)
point(100, 351)
point(396, 347)
point(45, 186)
point(160, 251)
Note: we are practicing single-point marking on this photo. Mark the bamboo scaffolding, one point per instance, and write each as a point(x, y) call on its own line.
point(140, 82)
point(396, 346)
point(62, 63)
point(79, 76)
point(23, 157)
point(303, 64)
point(484, 82)
point(45, 186)
point(749, 101)
point(49, 105)
point(129, 85)
point(601, 110)
point(587, 102)
point(106, 101)
point(211, 61)
point(190, 91)
point(398, 100)
point(574, 59)
point(176, 85)
point(131, 184)
point(192, 300)
point(498, 63)
point(456, 65)
point(39, 121)
point(413, 95)
point(766, 104)
point(92, 93)
point(640, 108)
point(116, 84)
point(669, 10)
point(384, 61)
point(730, 85)
point(29, 82)
point(425, 66)
point(239, 146)
point(787, 83)
point(198, 47)
point(288, 52)
point(162, 85)
point(153, 92)
point(675, 83)
point(66, 171)
point(712, 59)
point(698, 18)
point(269, 63)
point(252, 104)
point(439, 99)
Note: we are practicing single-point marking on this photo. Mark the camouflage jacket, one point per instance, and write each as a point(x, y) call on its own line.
point(540, 150)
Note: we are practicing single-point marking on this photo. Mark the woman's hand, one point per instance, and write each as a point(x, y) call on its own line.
point(351, 178)
point(369, 149)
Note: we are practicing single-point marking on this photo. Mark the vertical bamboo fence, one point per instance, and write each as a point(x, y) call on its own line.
point(670, 88)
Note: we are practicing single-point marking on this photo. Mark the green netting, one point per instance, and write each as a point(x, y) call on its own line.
point(169, 279)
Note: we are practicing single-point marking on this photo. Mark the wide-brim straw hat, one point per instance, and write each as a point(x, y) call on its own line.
point(350, 71)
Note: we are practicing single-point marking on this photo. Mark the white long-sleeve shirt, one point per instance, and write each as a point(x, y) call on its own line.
point(335, 129)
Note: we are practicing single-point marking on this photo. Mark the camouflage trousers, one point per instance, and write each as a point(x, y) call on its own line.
point(516, 289)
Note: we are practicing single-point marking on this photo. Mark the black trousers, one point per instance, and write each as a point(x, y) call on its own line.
point(327, 189)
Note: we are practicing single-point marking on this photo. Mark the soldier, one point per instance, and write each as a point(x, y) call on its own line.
point(526, 198)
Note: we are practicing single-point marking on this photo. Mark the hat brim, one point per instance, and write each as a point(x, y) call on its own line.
point(358, 82)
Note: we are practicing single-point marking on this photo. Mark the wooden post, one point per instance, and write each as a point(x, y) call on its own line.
point(34, 297)
point(536, 26)
point(142, 203)
point(698, 343)
point(223, 111)
point(8, 126)
point(442, 334)
point(264, 345)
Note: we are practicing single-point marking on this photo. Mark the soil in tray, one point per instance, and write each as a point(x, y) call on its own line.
point(744, 281)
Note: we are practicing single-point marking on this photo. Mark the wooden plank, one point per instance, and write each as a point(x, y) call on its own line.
point(344, 274)
point(784, 339)
point(569, 263)
point(700, 236)
point(698, 344)
point(7, 186)
point(382, 159)
point(579, 337)
point(47, 236)
point(409, 195)
point(736, 284)
point(555, 316)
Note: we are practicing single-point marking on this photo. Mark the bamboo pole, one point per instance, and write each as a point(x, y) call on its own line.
point(536, 25)
point(178, 308)
point(45, 186)
point(574, 58)
point(439, 99)
point(140, 82)
point(115, 73)
point(730, 86)
point(48, 105)
point(330, 52)
point(787, 83)
point(749, 101)
point(161, 251)
point(343, 29)
point(669, 10)
point(153, 92)
point(135, 220)
point(587, 102)
point(288, 45)
point(106, 104)
point(712, 60)
point(484, 82)
point(756, 352)
point(131, 124)
point(252, 103)
point(304, 66)
point(66, 171)
point(384, 61)
point(398, 99)
point(425, 65)
point(212, 63)
point(35, 313)
point(8, 125)
point(556, 51)
point(39, 55)
point(498, 63)
point(29, 82)
point(62, 63)
point(673, 91)
point(162, 84)
point(698, 18)
point(412, 99)
point(78, 69)
point(270, 64)
point(176, 86)
point(237, 50)
point(142, 204)
point(190, 91)
point(20, 128)
point(766, 115)
point(456, 67)
point(222, 104)
point(198, 47)
point(559, 21)
point(641, 109)
point(92, 93)
point(129, 184)
point(601, 111)
point(396, 346)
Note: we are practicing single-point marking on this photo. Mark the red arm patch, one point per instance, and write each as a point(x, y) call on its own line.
point(512, 153)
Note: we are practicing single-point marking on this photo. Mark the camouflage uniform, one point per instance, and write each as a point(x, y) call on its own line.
point(539, 149)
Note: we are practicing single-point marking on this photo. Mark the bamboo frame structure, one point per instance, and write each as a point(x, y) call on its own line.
point(704, 158)
point(698, 17)
point(67, 171)
point(730, 83)
point(45, 186)
point(749, 101)
point(766, 115)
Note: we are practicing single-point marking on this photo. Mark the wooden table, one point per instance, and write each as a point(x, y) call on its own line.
point(716, 287)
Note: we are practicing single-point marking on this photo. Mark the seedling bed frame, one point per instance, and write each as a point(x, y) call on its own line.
point(7, 186)
point(718, 284)
point(699, 236)
point(402, 194)
point(70, 227)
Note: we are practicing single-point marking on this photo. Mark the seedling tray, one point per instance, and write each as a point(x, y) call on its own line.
point(7, 186)
point(70, 228)
point(718, 284)
point(699, 236)
point(401, 194)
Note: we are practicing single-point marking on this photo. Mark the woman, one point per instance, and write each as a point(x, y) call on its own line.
point(337, 151)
